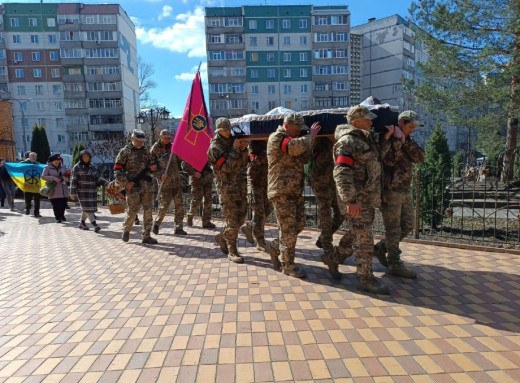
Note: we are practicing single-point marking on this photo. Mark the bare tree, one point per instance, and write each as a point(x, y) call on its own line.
point(106, 150)
point(145, 72)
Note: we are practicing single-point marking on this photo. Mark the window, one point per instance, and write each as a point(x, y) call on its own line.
point(3, 70)
point(214, 39)
point(61, 137)
point(270, 57)
point(255, 105)
point(271, 89)
point(76, 70)
point(35, 56)
point(303, 72)
point(17, 57)
point(214, 23)
point(53, 56)
point(41, 121)
point(288, 104)
point(269, 24)
point(286, 57)
point(51, 22)
point(59, 123)
point(71, 53)
point(233, 21)
point(302, 23)
point(286, 40)
point(252, 24)
point(35, 39)
point(55, 72)
point(40, 106)
point(235, 55)
point(340, 53)
point(37, 73)
point(271, 73)
point(237, 72)
point(323, 54)
point(216, 55)
point(33, 22)
point(286, 89)
point(19, 73)
point(101, 53)
point(286, 24)
point(2, 54)
point(69, 36)
point(56, 89)
point(320, 20)
point(254, 57)
point(20, 90)
point(1, 35)
point(52, 39)
point(17, 39)
point(303, 40)
point(15, 22)
point(58, 106)
point(340, 85)
point(287, 73)
point(254, 73)
point(304, 88)
point(38, 89)
point(74, 86)
point(253, 41)
point(270, 41)
point(254, 88)
point(303, 56)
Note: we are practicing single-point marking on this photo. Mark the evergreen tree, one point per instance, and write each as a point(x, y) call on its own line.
point(76, 151)
point(458, 162)
point(45, 150)
point(435, 176)
point(473, 69)
point(36, 142)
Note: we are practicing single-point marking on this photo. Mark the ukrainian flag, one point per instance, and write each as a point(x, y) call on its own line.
point(26, 176)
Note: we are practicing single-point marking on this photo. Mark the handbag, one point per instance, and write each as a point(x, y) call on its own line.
point(47, 190)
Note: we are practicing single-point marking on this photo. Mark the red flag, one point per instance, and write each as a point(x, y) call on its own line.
point(194, 133)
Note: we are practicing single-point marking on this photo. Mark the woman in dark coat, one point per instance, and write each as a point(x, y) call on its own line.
point(83, 184)
point(55, 171)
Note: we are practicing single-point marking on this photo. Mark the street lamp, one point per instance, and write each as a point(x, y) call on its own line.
point(152, 116)
point(20, 104)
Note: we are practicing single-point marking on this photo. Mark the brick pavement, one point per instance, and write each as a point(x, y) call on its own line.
point(76, 306)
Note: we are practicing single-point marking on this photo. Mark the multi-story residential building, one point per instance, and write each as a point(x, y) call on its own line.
point(261, 57)
point(71, 67)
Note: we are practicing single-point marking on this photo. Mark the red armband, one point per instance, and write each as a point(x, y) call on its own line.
point(285, 143)
point(221, 161)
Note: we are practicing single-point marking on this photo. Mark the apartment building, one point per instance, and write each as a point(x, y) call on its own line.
point(261, 57)
point(71, 67)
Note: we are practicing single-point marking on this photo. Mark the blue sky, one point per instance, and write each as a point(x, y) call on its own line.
point(170, 36)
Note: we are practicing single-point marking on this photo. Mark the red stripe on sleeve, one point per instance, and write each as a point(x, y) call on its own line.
point(221, 161)
point(285, 143)
point(345, 160)
point(118, 167)
point(252, 157)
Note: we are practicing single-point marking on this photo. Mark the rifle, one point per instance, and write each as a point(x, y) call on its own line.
point(142, 175)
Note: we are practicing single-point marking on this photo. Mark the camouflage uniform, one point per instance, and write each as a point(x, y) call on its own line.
point(129, 163)
point(172, 186)
point(227, 163)
point(257, 184)
point(397, 208)
point(286, 157)
point(201, 190)
point(322, 183)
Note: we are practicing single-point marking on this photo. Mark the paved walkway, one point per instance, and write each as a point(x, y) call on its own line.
point(76, 306)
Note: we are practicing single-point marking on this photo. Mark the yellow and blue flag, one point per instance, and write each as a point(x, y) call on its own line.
point(26, 176)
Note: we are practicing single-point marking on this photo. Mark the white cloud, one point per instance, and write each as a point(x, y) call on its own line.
point(166, 12)
point(185, 35)
point(189, 76)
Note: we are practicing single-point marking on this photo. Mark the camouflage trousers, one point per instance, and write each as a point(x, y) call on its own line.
point(202, 194)
point(134, 201)
point(358, 238)
point(290, 214)
point(330, 219)
point(169, 192)
point(235, 212)
point(262, 208)
point(399, 219)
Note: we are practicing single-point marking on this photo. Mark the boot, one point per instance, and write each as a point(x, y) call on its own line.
point(326, 258)
point(380, 252)
point(373, 285)
point(260, 244)
point(126, 236)
point(37, 215)
point(180, 231)
point(318, 243)
point(233, 255)
point(27, 211)
point(222, 243)
point(137, 222)
point(96, 226)
point(155, 229)
point(83, 225)
point(274, 252)
point(401, 270)
point(150, 241)
point(294, 271)
point(246, 229)
point(190, 220)
point(208, 225)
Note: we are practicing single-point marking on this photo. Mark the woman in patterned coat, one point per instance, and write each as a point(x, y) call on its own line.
point(83, 184)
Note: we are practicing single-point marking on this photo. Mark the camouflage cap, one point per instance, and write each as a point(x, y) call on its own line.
point(165, 133)
point(139, 135)
point(295, 119)
point(222, 123)
point(411, 116)
point(359, 111)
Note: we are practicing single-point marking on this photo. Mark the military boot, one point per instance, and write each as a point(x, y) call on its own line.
point(274, 252)
point(260, 243)
point(318, 243)
point(246, 229)
point(190, 220)
point(233, 255)
point(380, 252)
point(180, 231)
point(373, 285)
point(150, 241)
point(401, 270)
point(208, 225)
point(126, 236)
point(155, 229)
point(222, 243)
point(327, 259)
point(96, 226)
point(294, 271)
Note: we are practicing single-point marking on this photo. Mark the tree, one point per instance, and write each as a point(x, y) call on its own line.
point(145, 72)
point(473, 71)
point(106, 151)
point(40, 143)
point(435, 175)
point(76, 151)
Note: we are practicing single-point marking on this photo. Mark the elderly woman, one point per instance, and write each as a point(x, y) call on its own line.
point(55, 171)
point(83, 184)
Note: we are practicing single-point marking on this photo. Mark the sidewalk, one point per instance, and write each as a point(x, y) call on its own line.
point(76, 306)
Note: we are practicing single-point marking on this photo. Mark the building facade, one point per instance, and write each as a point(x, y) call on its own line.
point(262, 57)
point(70, 67)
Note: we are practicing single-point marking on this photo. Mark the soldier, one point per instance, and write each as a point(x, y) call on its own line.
point(228, 156)
point(171, 182)
point(399, 152)
point(322, 183)
point(357, 173)
point(257, 184)
point(132, 170)
point(286, 154)
point(201, 192)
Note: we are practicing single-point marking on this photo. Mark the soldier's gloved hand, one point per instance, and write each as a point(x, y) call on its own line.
point(354, 210)
point(390, 131)
point(398, 133)
point(315, 129)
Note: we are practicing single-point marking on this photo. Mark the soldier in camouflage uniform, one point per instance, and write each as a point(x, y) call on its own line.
point(357, 173)
point(324, 188)
point(228, 156)
point(257, 184)
point(171, 182)
point(399, 152)
point(286, 155)
point(201, 192)
point(134, 160)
